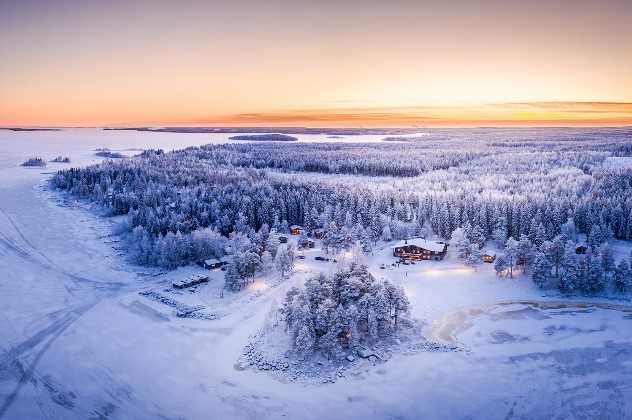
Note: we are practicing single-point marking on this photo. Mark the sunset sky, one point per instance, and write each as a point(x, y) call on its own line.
point(315, 63)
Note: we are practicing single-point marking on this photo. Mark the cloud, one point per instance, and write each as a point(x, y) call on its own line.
point(511, 113)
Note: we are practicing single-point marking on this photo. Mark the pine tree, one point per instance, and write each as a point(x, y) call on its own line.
point(622, 277)
point(540, 235)
point(460, 243)
point(500, 265)
point(541, 270)
point(284, 261)
point(569, 230)
point(386, 234)
point(525, 251)
point(511, 254)
point(607, 260)
point(595, 237)
point(474, 256)
point(595, 277)
point(232, 276)
point(267, 262)
point(477, 236)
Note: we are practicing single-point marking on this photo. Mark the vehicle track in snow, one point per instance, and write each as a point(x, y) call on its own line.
point(20, 360)
point(29, 252)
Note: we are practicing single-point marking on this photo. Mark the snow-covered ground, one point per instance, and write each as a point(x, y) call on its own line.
point(78, 340)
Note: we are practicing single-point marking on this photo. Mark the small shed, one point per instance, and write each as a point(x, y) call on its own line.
point(581, 249)
point(191, 281)
point(296, 229)
point(305, 243)
point(213, 263)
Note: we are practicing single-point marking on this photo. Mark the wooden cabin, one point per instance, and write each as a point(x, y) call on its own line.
point(489, 258)
point(213, 263)
point(420, 249)
point(296, 229)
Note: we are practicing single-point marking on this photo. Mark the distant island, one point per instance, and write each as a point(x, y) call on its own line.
point(29, 129)
point(264, 137)
point(401, 138)
point(283, 130)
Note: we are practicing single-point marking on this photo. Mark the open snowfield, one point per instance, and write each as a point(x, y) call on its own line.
point(78, 341)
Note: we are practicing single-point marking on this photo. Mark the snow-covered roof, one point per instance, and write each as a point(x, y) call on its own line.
point(422, 243)
point(211, 261)
point(296, 227)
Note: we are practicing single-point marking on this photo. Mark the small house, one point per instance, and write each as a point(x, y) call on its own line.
point(489, 258)
point(282, 239)
point(296, 229)
point(419, 249)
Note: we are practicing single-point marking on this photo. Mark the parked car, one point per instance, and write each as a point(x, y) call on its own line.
point(383, 266)
point(300, 257)
point(319, 258)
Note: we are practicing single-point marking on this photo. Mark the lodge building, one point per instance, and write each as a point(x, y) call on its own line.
point(420, 249)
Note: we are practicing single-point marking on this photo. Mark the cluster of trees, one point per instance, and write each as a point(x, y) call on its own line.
point(557, 264)
point(529, 191)
point(567, 265)
point(560, 262)
point(343, 310)
point(253, 253)
point(336, 158)
point(109, 154)
point(35, 161)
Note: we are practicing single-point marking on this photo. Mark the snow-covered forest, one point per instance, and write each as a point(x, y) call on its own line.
point(187, 205)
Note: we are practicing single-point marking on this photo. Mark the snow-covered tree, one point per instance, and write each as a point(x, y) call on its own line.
point(267, 262)
point(622, 277)
point(542, 267)
point(512, 251)
point(460, 243)
point(474, 256)
point(500, 265)
point(386, 233)
point(284, 261)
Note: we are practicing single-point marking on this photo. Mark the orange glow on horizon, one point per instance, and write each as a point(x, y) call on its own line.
point(286, 63)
